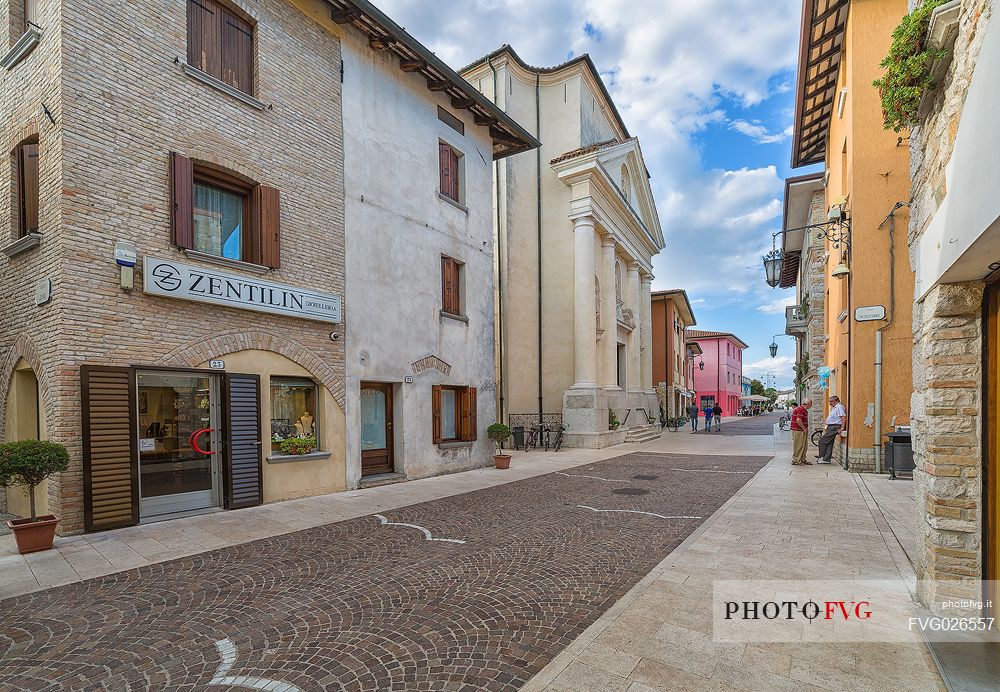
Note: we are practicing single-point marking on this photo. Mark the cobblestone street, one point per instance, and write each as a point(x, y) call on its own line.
point(475, 591)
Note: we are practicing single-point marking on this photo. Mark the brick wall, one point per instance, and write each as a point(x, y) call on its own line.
point(121, 105)
point(947, 367)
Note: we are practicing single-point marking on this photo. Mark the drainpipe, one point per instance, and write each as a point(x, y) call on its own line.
point(538, 221)
point(500, 267)
point(878, 333)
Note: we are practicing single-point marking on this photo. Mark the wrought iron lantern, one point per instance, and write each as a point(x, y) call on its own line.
point(773, 348)
point(772, 267)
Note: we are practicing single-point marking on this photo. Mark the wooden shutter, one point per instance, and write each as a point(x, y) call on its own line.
point(470, 421)
point(244, 479)
point(28, 186)
point(268, 203)
point(110, 474)
point(182, 200)
point(450, 298)
point(204, 33)
point(436, 414)
point(445, 155)
point(237, 53)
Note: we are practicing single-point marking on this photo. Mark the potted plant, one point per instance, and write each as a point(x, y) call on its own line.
point(613, 421)
point(298, 445)
point(26, 463)
point(499, 433)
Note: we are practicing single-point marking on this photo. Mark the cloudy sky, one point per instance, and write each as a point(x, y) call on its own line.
point(707, 86)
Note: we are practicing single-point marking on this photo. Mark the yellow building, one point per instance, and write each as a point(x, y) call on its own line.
point(867, 309)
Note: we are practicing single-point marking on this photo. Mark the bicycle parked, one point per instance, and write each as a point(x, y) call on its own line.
point(783, 423)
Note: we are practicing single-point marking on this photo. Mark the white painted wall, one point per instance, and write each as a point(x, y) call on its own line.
point(397, 229)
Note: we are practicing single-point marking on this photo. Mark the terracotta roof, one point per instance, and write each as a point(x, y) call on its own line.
point(589, 149)
point(584, 58)
point(699, 334)
point(678, 292)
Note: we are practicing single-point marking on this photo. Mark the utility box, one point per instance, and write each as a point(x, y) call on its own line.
point(899, 453)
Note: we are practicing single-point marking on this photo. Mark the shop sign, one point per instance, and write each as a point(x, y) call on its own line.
point(869, 313)
point(188, 282)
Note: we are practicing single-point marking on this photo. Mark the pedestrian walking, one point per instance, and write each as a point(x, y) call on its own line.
point(709, 414)
point(835, 422)
point(800, 433)
point(692, 412)
point(717, 413)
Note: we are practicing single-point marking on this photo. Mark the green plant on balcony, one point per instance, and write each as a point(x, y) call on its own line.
point(804, 308)
point(907, 68)
point(801, 372)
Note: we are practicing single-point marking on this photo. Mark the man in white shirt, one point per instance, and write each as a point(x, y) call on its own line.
point(835, 422)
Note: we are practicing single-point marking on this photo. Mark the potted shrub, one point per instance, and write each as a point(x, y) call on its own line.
point(613, 421)
point(298, 445)
point(26, 463)
point(499, 433)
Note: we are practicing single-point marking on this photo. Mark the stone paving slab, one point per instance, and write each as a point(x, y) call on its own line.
point(477, 591)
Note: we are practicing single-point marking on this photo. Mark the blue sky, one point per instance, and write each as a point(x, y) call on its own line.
point(708, 88)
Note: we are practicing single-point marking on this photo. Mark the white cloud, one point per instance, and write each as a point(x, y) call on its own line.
point(758, 132)
point(778, 305)
point(780, 367)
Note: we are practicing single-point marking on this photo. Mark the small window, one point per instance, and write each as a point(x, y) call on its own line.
point(451, 286)
point(294, 410)
point(25, 164)
point(220, 43)
point(450, 165)
point(454, 414)
point(219, 214)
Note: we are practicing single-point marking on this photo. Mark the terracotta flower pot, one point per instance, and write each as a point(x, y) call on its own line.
point(34, 535)
point(502, 461)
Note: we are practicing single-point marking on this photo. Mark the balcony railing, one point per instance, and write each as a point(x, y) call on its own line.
point(795, 320)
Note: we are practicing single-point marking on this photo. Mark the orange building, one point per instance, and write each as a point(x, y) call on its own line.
point(868, 284)
point(673, 357)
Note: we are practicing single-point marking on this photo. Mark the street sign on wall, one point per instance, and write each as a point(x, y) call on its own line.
point(869, 313)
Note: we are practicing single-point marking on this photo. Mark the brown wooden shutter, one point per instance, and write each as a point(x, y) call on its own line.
point(447, 284)
point(469, 414)
point(268, 203)
point(110, 474)
point(244, 479)
point(28, 167)
point(237, 53)
point(204, 33)
point(182, 200)
point(436, 414)
point(444, 163)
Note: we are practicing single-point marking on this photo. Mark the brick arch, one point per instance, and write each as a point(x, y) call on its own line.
point(202, 350)
point(212, 159)
point(22, 348)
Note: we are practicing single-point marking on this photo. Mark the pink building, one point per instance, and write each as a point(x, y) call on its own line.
point(721, 380)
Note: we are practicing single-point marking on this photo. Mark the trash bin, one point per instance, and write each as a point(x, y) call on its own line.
point(899, 453)
point(518, 434)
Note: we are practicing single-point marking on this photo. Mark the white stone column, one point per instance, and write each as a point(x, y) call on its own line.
point(609, 316)
point(633, 378)
point(646, 337)
point(585, 304)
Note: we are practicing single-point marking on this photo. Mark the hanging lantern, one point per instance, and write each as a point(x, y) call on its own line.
point(773, 348)
point(772, 268)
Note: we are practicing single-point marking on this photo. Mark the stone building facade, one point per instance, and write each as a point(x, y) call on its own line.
point(953, 243)
point(673, 355)
point(577, 229)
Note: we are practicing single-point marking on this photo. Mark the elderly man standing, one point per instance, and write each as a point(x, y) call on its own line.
point(834, 424)
point(800, 433)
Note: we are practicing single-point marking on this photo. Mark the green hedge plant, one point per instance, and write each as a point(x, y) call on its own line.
point(27, 463)
point(499, 433)
point(298, 445)
point(907, 68)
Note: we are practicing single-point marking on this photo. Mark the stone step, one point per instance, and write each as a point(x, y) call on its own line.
point(381, 479)
point(646, 433)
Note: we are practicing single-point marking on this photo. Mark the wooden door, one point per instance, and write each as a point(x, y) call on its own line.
point(991, 434)
point(376, 428)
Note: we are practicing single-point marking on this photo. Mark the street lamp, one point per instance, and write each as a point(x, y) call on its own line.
point(772, 267)
point(773, 348)
point(837, 230)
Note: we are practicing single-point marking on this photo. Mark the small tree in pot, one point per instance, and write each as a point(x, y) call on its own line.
point(26, 463)
point(499, 433)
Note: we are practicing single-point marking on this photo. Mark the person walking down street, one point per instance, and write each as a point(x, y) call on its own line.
point(717, 413)
point(835, 422)
point(692, 412)
point(709, 414)
point(800, 433)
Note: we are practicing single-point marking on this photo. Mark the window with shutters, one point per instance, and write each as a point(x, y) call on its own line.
point(450, 166)
point(224, 215)
point(24, 162)
point(220, 43)
point(454, 414)
point(451, 286)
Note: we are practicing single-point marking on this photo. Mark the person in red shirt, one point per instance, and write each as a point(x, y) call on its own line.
point(800, 433)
